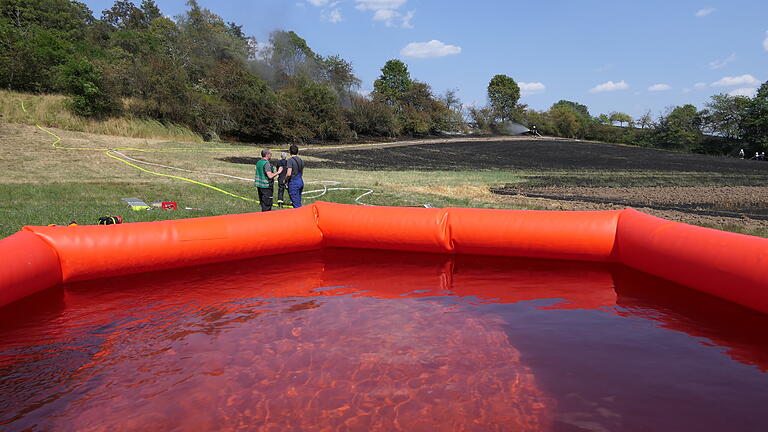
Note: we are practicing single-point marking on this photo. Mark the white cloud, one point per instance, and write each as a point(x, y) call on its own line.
point(745, 91)
point(385, 15)
point(379, 4)
point(609, 86)
point(387, 11)
point(431, 49)
point(408, 19)
point(736, 81)
point(391, 17)
point(335, 16)
point(329, 11)
point(697, 86)
point(531, 88)
point(719, 64)
point(765, 42)
point(659, 87)
point(704, 12)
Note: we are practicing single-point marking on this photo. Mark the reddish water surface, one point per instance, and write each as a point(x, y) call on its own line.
point(360, 340)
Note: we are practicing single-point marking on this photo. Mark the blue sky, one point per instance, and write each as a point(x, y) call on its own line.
point(626, 56)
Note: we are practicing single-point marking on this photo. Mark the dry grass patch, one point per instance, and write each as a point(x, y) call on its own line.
point(475, 193)
point(28, 156)
point(52, 111)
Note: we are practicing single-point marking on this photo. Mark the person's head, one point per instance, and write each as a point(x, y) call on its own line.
point(266, 153)
point(294, 150)
point(283, 155)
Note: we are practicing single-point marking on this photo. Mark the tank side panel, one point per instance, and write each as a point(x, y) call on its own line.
point(583, 236)
point(29, 265)
point(90, 252)
point(389, 228)
point(727, 265)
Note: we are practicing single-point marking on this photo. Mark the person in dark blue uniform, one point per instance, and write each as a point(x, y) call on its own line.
point(294, 175)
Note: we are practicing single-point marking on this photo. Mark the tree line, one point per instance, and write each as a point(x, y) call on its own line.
point(202, 72)
point(726, 125)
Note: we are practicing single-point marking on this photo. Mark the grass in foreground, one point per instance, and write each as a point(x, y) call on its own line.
point(60, 203)
point(84, 203)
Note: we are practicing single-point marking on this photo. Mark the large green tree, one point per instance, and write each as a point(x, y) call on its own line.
point(393, 83)
point(680, 128)
point(578, 109)
point(754, 124)
point(207, 40)
point(725, 115)
point(37, 37)
point(291, 56)
point(69, 19)
point(341, 77)
point(125, 15)
point(503, 94)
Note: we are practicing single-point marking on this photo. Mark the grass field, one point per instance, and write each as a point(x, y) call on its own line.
point(41, 185)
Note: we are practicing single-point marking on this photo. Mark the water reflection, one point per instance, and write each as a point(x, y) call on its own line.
point(357, 340)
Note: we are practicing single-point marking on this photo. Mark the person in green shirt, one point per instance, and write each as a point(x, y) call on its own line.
point(265, 180)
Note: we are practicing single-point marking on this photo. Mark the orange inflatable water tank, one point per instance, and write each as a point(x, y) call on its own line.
point(727, 265)
point(29, 265)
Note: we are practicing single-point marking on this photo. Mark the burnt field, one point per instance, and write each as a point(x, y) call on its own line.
point(586, 175)
point(532, 155)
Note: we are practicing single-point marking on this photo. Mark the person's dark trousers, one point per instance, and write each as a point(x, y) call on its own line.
point(265, 198)
point(280, 192)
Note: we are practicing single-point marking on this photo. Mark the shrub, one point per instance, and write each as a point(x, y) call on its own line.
point(83, 81)
point(310, 111)
point(371, 118)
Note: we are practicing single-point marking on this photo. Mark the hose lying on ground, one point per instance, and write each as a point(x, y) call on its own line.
point(314, 193)
point(112, 152)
